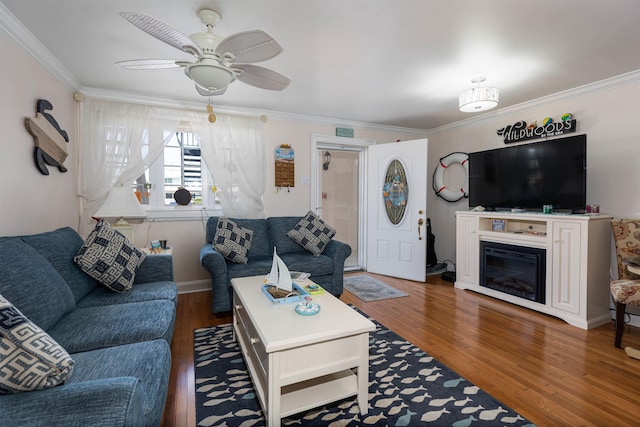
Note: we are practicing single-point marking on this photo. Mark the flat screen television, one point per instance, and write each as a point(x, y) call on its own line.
point(529, 176)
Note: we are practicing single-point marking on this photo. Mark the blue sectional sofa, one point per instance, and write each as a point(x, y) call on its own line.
point(326, 269)
point(119, 342)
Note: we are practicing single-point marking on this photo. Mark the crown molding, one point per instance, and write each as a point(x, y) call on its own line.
point(18, 32)
point(244, 111)
point(632, 77)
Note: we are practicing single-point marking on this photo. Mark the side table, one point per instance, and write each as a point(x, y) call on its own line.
point(148, 251)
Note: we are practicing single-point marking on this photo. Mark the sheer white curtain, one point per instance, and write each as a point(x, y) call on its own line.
point(118, 143)
point(234, 150)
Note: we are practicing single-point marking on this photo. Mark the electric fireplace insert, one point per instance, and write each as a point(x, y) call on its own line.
point(514, 270)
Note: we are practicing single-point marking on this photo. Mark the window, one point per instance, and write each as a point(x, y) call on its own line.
point(179, 166)
point(183, 167)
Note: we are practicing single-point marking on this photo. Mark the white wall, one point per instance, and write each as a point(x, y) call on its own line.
point(611, 120)
point(32, 202)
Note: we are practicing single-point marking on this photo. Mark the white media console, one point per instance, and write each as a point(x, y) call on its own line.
point(578, 254)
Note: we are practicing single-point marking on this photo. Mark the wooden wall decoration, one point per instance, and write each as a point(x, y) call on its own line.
point(285, 166)
point(49, 138)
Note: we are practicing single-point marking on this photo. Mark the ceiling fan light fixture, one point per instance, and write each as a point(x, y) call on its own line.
point(218, 61)
point(210, 76)
point(479, 98)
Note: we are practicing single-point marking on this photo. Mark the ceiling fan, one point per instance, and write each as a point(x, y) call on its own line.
point(218, 61)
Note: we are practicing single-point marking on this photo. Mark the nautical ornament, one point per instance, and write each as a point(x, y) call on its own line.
point(279, 276)
point(50, 139)
point(438, 177)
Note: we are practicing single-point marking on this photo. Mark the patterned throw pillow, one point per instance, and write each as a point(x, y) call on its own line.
point(312, 233)
point(109, 257)
point(232, 241)
point(29, 358)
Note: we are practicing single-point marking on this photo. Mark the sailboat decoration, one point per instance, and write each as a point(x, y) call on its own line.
point(279, 276)
point(279, 287)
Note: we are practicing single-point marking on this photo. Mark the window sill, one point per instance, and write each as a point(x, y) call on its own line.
point(181, 213)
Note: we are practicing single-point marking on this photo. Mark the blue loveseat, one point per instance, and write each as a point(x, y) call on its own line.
point(326, 269)
point(120, 342)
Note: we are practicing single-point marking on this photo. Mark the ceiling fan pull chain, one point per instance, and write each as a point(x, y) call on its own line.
point(212, 117)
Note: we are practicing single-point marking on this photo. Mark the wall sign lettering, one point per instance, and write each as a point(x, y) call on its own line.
point(520, 131)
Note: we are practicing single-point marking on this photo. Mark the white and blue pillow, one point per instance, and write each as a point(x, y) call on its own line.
point(109, 257)
point(232, 241)
point(312, 233)
point(29, 358)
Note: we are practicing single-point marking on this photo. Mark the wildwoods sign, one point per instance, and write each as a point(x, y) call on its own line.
point(519, 131)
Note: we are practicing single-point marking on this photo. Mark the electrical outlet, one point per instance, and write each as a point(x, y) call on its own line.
point(305, 180)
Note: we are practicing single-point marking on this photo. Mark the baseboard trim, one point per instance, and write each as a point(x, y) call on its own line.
point(194, 286)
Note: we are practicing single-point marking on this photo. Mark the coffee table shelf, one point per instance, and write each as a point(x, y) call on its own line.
point(318, 391)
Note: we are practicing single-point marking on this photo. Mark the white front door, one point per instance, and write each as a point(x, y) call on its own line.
point(396, 209)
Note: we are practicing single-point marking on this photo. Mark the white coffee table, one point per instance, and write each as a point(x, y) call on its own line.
point(300, 362)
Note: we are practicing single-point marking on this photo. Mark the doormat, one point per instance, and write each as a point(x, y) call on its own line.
point(407, 387)
point(368, 288)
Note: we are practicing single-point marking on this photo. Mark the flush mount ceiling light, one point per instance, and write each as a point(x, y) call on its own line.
point(479, 98)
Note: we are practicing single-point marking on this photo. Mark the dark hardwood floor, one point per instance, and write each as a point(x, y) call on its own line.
point(550, 372)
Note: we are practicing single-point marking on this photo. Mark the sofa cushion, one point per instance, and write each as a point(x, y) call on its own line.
point(232, 241)
point(150, 291)
point(109, 257)
point(32, 284)
point(29, 358)
point(149, 361)
point(258, 267)
point(312, 233)
point(156, 268)
point(59, 247)
point(108, 402)
point(316, 265)
point(103, 326)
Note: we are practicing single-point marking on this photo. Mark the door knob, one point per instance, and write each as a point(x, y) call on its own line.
point(420, 224)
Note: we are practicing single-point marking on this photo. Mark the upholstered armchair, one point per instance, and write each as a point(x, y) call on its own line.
point(626, 289)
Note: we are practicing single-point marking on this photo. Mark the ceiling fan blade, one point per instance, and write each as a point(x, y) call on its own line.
point(249, 46)
point(162, 31)
point(261, 77)
point(149, 64)
point(205, 92)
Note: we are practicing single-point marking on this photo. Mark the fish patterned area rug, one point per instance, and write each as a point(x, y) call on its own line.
point(407, 387)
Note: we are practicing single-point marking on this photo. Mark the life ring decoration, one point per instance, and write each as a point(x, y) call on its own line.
point(448, 194)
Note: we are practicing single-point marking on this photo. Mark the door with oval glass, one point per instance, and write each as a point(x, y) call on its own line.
point(396, 209)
